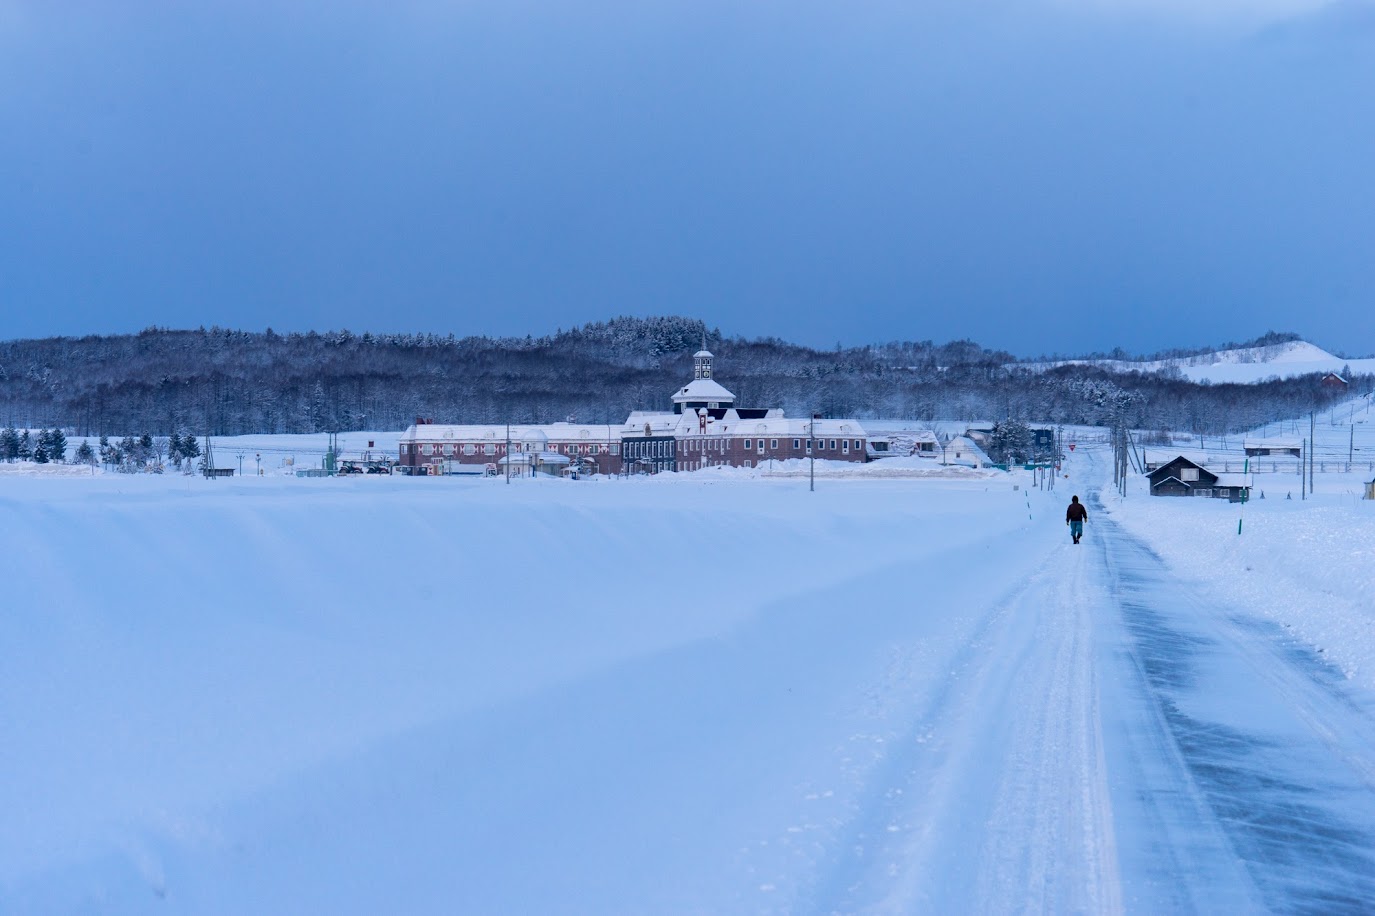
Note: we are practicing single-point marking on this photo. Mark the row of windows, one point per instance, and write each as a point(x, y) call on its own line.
point(449, 448)
point(1220, 492)
point(661, 448)
point(723, 445)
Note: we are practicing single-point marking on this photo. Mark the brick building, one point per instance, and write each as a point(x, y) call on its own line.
point(704, 429)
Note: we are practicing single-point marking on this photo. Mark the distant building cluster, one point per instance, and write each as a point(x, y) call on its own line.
point(705, 429)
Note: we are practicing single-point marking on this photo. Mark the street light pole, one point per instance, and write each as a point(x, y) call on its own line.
point(811, 449)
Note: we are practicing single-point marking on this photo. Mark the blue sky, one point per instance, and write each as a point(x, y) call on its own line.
point(1040, 176)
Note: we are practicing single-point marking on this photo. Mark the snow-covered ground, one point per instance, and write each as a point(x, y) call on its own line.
point(708, 692)
point(1246, 365)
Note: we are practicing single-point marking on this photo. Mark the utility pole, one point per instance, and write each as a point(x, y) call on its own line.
point(1312, 432)
point(508, 453)
point(811, 450)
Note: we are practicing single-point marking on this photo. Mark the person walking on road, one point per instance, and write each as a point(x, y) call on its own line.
point(1075, 516)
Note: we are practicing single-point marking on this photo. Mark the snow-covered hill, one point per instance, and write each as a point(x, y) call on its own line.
point(1246, 365)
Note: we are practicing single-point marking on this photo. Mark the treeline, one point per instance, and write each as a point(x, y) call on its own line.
point(226, 382)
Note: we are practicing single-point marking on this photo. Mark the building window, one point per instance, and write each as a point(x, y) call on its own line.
point(749, 444)
point(859, 444)
point(773, 444)
point(833, 445)
point(448, 448)
point(797, 444)
point(489, 449)
point(749, 463)
point(427, 449)
point(809, 445)
point(1223, 491)
point(470, 449)
point(1188, 475)
point(615, 449)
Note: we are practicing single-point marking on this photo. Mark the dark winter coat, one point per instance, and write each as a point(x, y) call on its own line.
point(1076, 513)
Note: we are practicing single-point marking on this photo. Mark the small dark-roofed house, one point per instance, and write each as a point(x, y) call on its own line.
point(1184, 477)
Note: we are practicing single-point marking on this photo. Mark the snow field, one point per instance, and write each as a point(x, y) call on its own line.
point(283, 695)
point(706, 692)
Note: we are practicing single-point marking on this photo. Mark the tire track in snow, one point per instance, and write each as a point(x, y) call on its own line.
point(997, 800)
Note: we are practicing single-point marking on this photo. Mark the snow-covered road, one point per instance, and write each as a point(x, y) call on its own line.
point(1107, 740)
point(665, 696)
point(1245, 762)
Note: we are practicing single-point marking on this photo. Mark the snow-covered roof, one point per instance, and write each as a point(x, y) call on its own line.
point(1232, 480)
point(968, 450)
point(575, 432)
point(703, 354)
point(660, 424)
point(544, 433)
point(441, 432)
point(1271, 443)
point(703, 389)
point(774, 425)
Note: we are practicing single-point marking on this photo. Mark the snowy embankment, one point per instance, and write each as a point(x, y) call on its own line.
point(1309, 565)
point(440, 695)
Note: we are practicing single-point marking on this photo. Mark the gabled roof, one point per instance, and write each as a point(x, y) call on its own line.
point(1165, 466)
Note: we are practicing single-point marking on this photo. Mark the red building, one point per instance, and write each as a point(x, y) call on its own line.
point(705, 429)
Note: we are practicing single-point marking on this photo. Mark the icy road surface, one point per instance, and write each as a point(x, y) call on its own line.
point(682, 695)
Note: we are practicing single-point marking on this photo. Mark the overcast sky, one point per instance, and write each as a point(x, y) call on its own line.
point(1043, 176)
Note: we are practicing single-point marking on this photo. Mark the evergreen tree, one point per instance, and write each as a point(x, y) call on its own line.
point(128, 451)
point(57, 444)
point(25, 446)
point(108, 453)
point(84, 453)
point(1011, 442)
point(40, 451)
point(190, 448)
point(9, 443)
point(174, 449)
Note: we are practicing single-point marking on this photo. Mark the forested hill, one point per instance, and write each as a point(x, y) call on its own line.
point(227, 382)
